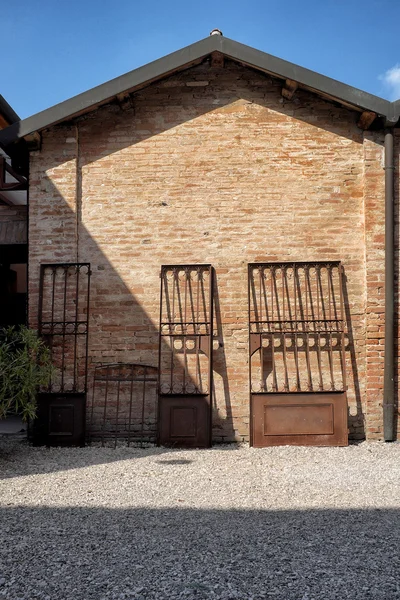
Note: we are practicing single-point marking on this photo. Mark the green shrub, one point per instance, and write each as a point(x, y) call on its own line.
point(25, 365)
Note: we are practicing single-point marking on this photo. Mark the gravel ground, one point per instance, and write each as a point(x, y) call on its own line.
point(226, 523)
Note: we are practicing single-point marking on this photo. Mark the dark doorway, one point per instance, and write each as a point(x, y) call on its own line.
point(13, 284)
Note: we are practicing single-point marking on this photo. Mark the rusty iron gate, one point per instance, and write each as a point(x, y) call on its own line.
point(124, 404)
point(297, 354)
point(64, 296)
point(185, 355)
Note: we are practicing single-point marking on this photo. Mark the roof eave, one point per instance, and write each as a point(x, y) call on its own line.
point(305, 77)
point(91, 99)
point(396, 110)
point(7, 111)
point(107, 91)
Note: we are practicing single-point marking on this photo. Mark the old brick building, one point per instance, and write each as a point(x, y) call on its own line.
point(218, 155)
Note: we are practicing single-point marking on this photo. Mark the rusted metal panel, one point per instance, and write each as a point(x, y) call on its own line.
point(185, 355)
point(299, 419)
point(184, 421)
point(60, 420)
point(124, 404)
point(296, 341)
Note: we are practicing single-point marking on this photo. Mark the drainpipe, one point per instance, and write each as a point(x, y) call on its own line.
point(388, 389)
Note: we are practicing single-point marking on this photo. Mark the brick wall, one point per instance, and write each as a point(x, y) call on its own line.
point(374, 198)
point(213, 166)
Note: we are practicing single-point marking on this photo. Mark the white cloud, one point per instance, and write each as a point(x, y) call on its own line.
point(391, 80)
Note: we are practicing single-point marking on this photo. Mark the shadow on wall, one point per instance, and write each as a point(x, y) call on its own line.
point(120, 328)
point(356, 421)
point(73, 553)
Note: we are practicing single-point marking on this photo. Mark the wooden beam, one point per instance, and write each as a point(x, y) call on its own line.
point(14, 173)
point(125, 101)
point(5, 200)
point(3, 122)
point(366, 119)
point(21, 182)
point(33, 141)
point(289, 89)
point(217, 60)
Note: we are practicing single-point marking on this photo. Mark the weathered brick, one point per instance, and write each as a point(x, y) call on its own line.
point(227, 173)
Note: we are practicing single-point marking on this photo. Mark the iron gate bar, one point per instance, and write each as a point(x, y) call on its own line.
point(342, 316)
point(121, 373)
point(184, 322)
point(185, 355)
point(65, 328)
point(307, 313)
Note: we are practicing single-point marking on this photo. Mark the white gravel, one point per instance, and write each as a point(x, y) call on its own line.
point(226, 523)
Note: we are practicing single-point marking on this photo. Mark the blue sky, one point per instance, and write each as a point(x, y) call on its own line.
point(55, 49)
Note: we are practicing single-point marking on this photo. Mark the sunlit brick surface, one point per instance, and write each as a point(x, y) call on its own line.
point(227, 173)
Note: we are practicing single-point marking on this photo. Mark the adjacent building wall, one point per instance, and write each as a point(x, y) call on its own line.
point(13, 224)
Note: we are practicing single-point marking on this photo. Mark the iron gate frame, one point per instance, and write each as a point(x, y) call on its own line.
point(47, 329)
point(131, 377)
point(204, 340)
point(61, 417)
point(255, 337)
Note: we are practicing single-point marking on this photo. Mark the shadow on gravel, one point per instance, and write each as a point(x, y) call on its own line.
point(19, 459)
point(176, 461)
point(143, 554)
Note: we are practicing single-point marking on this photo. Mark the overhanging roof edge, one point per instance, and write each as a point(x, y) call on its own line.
point(108, 90)
point(7, 111)
point(396, 109)
point(185, 56)
point(306, 77)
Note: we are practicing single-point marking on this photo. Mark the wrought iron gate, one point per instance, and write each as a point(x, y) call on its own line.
point(124, 403)
point(297, 354)
point(64, 296)
point(185, 355)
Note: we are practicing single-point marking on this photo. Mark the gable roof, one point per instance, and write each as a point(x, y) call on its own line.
point(7, 114)
point(189, 56)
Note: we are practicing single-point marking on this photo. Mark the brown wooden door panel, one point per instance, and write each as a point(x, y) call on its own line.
point(299, 419)
point(184, 421)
